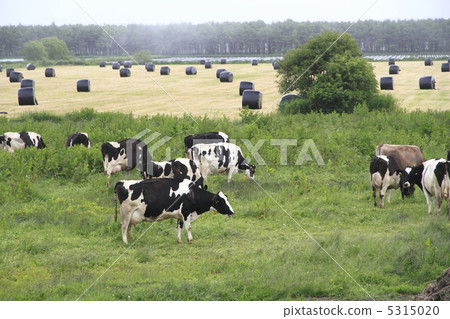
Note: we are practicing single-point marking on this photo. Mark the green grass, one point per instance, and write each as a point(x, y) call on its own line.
point(56, 215)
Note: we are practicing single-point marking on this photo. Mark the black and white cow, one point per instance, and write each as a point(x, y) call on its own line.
point(159, 199)
point(220, 158)
point(384, 175)
point(78, 139)
point(179, 168)
point(11, 141)
point(205, 138)
point(125, 155)
point(432, 177)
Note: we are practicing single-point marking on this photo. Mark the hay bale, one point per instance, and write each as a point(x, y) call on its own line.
point(445, 67)
point(202, 61)
point(427, 83)
point(394, 69)
point(252, 99)
point(116, 66)
point(387, 83)
point(50, 73)
point(1, 68)
point(246, 85)
point(223, 61)
point(226, 76)
point(30, 67)
point(218, 71)
point(428, 62)
point(276, 65)
point(84, 85)
point(8, 71)
point(125, 73)
point(102, 64)
point(27, 83)
point(254, 62)
point(165, 70)
point(15, 76)
point(127, 64)
point(288, 97)
point(208, 65)
point(150, 67)
point(191, 70)
point(391, 61)
point(27, 97)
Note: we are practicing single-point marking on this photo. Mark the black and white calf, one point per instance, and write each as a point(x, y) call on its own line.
point(179, 168)
point(384, 175)
point(125, 155)
point(205, 138)
point(159, 199)
point(220, 158)
point(432, 177)
point(78, 139)
point(11, 141)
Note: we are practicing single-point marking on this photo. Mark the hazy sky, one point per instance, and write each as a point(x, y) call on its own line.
point(44, 12)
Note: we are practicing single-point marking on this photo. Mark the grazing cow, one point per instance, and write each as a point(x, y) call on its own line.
point(125, 155)
point(179, 168)
point(219, 158)
point(78, 139)
point(384, 175)
point(205, 138)
point(159, 199)
point(12, 141)
point(432, 177)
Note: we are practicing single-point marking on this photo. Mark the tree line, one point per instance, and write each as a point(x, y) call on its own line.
point(229, 38)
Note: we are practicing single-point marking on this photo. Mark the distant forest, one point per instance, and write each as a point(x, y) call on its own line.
point(231, 38)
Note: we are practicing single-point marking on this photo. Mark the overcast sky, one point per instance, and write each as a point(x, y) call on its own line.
point(44, 12)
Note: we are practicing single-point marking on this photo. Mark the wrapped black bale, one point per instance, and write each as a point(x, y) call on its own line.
point(246, 85)
point(125, 73)
point(102, 64)
point(27, 97)
point(445, 67)
point(254, 62)
point(226, 76)
point(191, 70)
point(223, 61)
point(8, 71)
point(387, 83)
point(252, 99)
point(165, 70)
point(218, 71)
point(276, 65)
point(15, 76)
point(288, 97)
point(208, 65)
point(394, 69)
point(1, 68)
point(202, 61)
point(427, 83)
point(50, 73)
point(391, 61)
point(27, 83)
point(116, 66)
point(31, 67)
point(150, 67)
point(84, 85)
point(126, 64)
point(428, 62)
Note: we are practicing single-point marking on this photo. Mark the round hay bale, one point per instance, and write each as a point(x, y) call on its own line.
point(150, 67)
point(165, 70)
point(254, 62)
point(121, 62)
point(428, 62)
point(218, 71)
point(427, 83)
point(288, 97)
point(8, 71)
point(102, 64)
point(27, 83)
point(50, 73)
point(445, 67)
point(30, 67)
point(1, 68)
point(15, 76)
point(191, 70)
point(127, 64)
point(84, 85)
point(226, 76)
point(223, 61)
point(202, 61)
point(252, 99)
point(276, 65)
point(27, 97)
point(246, 85)
point(116, 66)
point(125, 73)
point(387, 83)
point(208, 65)
point(394, 69)
point(391, 61)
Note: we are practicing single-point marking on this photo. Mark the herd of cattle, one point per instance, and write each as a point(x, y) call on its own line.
point(175, 188)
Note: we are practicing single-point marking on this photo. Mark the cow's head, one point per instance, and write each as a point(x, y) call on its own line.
point(221, 204)
point(409, 177)
point(250, 171)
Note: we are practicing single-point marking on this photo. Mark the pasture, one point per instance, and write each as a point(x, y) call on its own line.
point(56, 211)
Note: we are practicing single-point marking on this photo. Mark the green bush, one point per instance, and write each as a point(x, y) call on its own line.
point(382, 102)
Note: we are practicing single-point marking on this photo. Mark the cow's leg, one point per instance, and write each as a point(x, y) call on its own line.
point(382, 193)
point(374, 193)
point(427, 197)
point(388, 196)
point(437, 204)
point(187, 225)
point(179, 228)
point(126, 218)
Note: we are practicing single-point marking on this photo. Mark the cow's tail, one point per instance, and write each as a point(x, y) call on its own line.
point(446, 185)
